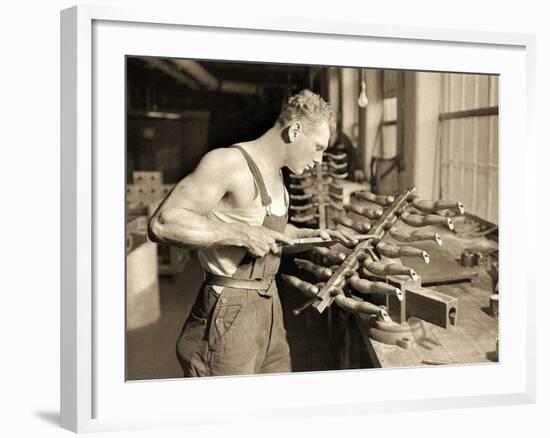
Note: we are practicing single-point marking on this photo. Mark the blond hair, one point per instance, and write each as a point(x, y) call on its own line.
point(308, 108)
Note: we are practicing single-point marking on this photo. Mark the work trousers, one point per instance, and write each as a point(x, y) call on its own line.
point(239, 331)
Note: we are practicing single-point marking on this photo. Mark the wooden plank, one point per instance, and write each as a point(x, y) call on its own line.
point(442, 268)
point(478, 333)
point(430, 348)
point(485, 324)
point(482, 91)
point(493, 89)
point(459, 345)
point(472, 112)
point(389, 141)
point(482, 157)
point(456, 92)
point(494, 141)
point(389, 82)
point(493, 196)
point(391, 356)
point(479, 328)
point(482, 138)
point(469, 91)
point(468, 187)
point(475, 146)
point(472, 341)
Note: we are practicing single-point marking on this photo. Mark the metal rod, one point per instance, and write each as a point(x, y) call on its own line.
point(325, 298)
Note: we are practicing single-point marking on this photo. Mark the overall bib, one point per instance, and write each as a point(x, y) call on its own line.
point(240, 330)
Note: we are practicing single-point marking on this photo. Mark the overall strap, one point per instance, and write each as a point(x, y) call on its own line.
point(266, 199)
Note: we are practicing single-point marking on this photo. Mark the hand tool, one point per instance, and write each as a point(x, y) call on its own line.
point(374, 287)
point(416, 220)
point(385, 269)
point(393, 251)
point(360, 227)
point(332, 256)
point(303, 286)
point(377, 199)
point(319, 271)
point(403, 235)
point(357, 306)
point(369, 212)
point(428, 206)
point(319, 241)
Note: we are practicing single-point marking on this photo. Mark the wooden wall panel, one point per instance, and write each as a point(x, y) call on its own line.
point(389, 141)
point(468, 187)
point(493, 139)
point(483, 149)
point(482, 91)
point(390, 109)
point(457, 93)
point(470, 92)
point(482, 193)
point(456, 144)
point(445, 87)
point(390, 82)
point(469, 145)
point(493, 90)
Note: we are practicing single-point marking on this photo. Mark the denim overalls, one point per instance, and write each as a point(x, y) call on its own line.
point(240, 330)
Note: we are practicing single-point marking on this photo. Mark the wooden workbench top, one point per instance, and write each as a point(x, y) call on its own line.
point(472, 340)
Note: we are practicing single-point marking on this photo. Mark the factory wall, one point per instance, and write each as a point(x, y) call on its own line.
point(421, 102)
point(469, 142)
point(445, 138)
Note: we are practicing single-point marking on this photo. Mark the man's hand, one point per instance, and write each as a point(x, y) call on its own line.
point(344, 237)
point(261, 240)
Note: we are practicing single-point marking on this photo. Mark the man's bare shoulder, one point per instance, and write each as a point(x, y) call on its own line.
point(224, 163)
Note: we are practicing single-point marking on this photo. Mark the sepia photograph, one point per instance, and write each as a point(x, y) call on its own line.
point(285, 218)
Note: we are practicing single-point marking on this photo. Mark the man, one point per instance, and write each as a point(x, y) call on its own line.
point(233, 208)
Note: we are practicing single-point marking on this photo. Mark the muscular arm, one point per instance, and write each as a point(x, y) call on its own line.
point(180, 219)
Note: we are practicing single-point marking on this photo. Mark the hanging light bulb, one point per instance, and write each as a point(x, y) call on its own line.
point(363, 101)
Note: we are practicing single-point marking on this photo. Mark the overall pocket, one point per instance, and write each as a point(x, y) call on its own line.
point(195, 329)
point(223, 324)
point(191, 335)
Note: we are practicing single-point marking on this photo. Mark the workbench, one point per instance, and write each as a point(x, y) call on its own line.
point(472, 340)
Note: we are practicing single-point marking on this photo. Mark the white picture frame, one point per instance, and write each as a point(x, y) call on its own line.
point(93, 39)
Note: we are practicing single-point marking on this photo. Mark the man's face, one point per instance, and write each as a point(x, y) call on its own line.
point(306, 147)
